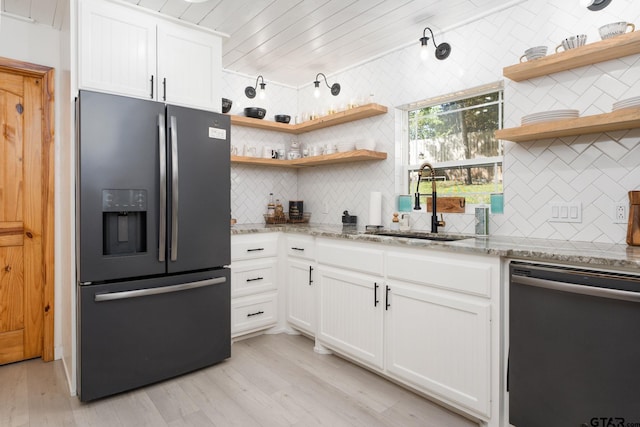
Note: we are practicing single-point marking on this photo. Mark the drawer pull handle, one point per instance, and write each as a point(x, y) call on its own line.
point(257, 313)
point(255, 249)
point(254, 279)
point(298, 249)
point(386, 298)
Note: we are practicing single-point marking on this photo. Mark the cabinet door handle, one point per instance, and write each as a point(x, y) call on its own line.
point(255, 249)
point(386, 298)
point(257, 313)
point(310, 280)
point(375, 294)
point(254, 279)
point(298, 249)
point(164, 89)
point(151, 87)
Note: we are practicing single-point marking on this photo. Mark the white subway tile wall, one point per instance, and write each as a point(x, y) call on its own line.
point(594, 170)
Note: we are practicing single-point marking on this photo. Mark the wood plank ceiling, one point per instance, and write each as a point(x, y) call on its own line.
point(290, 41)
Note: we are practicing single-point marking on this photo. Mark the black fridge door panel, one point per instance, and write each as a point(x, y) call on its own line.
point(199, 196)
point(137, 333)
point(118, 187)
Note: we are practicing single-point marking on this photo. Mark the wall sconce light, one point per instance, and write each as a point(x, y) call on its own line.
point(442, 50)
point(335, 88)
point(595, 4)
point(251, 91)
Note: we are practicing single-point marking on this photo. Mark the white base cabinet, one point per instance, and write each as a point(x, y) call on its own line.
point(351, 314)
point(440, 343)
point(301, 284)
point(420, 316)
point(254, 283)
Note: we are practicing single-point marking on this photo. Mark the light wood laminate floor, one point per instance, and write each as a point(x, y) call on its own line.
point(270, 380)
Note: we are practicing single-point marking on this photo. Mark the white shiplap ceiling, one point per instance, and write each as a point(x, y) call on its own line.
point(290, 41)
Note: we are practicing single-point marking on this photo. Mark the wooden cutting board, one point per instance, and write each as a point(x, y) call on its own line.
point(447, 204)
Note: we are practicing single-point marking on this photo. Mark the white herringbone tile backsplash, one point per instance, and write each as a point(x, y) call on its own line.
point(593, 170)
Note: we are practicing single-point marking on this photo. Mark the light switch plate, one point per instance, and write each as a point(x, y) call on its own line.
point(565, 212)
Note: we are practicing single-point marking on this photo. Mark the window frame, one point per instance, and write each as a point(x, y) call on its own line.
point(403, 168)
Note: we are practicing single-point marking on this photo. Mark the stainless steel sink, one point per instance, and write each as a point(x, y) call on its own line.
point(422, 236)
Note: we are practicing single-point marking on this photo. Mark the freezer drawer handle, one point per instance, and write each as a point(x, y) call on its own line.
point(578, 289)
point(155, 291)
point(162, 146)
point(174, 188)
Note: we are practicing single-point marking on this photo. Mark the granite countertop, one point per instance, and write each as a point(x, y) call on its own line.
point(601, 255)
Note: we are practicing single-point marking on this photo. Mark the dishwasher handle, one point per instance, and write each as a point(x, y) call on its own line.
point(111, 296)
point(577, 289)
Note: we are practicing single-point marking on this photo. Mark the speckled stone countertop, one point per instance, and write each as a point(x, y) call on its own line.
point(604, 255)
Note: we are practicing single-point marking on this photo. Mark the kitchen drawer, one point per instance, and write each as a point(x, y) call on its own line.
point(254, 276)
point(464, 273)
point(301, 247)
point(251, 246)
point(353, 256)
point(252, 313)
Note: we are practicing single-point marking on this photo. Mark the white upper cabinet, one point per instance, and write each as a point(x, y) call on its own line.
point(127, 52)
point(117, 50)
point(189, 64)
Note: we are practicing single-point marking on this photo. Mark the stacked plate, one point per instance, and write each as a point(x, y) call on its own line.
point(549, 116)
point(627, 103)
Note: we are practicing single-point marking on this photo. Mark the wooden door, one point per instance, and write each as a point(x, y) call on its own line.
point(25, 218)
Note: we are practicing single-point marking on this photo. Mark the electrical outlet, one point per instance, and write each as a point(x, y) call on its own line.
point(620, 213)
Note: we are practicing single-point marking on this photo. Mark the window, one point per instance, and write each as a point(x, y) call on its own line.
point(457, 138)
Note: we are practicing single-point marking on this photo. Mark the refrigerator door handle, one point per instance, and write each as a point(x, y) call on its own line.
point(174, 188)
point(110, 296)
point(162, 155)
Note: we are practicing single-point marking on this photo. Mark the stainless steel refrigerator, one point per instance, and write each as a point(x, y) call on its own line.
point(153, 242)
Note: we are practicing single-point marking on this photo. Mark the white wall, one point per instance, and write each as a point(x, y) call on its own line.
point(595, 170)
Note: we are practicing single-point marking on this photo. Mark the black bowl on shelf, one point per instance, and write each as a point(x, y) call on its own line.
point(226, 105)
point(282, 118)
point(255, 112)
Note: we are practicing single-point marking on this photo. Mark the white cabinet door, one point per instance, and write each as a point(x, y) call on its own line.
point(117, 50)
point(351, 314)
point(189, 64)
point(441, 343)
point(301, 299)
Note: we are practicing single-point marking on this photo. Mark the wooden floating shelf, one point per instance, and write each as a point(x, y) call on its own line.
point(358, 113)
point(346, 157)
point(592, 53)
point(627, 118)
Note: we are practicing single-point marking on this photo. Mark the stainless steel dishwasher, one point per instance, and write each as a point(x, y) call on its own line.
point(574, 347)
